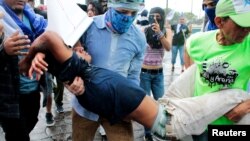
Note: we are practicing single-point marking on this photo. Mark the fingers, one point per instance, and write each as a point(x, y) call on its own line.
point(77, 87)
point(38, 65)
point(17, 44)
point(156, 20)
point(156, 27)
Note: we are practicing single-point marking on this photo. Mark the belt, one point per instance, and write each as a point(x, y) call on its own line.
point(152, 71)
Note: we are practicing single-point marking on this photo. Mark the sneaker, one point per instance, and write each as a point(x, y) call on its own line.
point(49, 119)
point(148, 138)
point(59, 109)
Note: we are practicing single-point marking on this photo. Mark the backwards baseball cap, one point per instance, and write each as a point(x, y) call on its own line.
point(237, 10)
point(127, 4)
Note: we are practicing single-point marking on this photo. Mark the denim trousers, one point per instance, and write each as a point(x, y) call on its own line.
point(175, 49)
point(191, 115)
point(152, 82)
point(155, 83)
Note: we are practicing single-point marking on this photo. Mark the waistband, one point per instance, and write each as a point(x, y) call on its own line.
point(152, 71)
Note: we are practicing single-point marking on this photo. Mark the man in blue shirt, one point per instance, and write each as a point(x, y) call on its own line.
point(20, 96)
point(118, 45)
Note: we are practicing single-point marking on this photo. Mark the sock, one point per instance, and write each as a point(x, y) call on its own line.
point(160, 122)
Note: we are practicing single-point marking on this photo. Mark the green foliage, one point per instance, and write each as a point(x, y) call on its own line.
point(190, 17)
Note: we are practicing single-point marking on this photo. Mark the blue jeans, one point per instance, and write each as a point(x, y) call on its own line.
point(155, 83)
point(175, 50)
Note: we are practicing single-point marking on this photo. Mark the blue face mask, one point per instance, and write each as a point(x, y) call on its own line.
point(120, 22)
point(210, 12)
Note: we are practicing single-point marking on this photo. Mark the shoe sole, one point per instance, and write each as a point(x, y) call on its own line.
point(51, 124)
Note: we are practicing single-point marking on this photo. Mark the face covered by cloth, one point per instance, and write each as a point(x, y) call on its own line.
point(151, 36)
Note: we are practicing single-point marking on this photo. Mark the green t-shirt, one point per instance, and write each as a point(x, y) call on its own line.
point(219, 67)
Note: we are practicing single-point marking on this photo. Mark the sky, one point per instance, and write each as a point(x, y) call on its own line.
point(177, 5)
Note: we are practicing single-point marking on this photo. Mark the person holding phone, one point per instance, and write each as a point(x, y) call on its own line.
point(158, 40)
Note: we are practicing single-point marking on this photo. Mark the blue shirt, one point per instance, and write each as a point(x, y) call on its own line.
point(122, 53)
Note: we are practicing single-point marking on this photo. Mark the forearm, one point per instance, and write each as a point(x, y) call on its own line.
point(167, 41)
point(52, 43)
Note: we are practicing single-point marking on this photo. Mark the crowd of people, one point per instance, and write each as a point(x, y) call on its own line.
point(116, 65)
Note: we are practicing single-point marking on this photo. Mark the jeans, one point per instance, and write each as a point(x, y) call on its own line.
point(155, 83)
point(84, 129)
point(175, 50)
point(152, 82)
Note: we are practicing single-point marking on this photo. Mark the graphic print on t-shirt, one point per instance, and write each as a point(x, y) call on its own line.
point(218, 72)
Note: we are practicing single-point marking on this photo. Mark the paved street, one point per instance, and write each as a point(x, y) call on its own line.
point(61, 131)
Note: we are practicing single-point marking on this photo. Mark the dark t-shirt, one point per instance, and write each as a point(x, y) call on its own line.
point(180, 37)
point(107, 93)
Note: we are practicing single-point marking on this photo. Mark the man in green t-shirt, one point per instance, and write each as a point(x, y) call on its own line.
point(221, 54)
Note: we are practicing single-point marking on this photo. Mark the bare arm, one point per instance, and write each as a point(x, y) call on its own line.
point(47, 42)
point(239, 111)
point(165, 41)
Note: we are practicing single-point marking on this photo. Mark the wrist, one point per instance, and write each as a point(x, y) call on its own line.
point(160, 35)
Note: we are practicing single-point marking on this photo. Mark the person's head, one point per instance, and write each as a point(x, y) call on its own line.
point(232, 18)
point(144, 13)
point(94, 9)
point(123, 12)
point(157, 14)
point(209, 8)
point(16, 5)
point(207, 4)
point(143, 18)
point(182, 20)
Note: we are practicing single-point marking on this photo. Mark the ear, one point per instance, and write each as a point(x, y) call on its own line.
point(219, 22)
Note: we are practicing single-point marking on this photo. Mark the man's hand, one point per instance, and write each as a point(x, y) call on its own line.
point(16, 43)
point(37, 65)
point(77, 87)
point(239, 111)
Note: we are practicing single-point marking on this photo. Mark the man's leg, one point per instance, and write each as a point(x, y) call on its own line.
point(121, 131)
point(174, 55)
point(82, 128)
point(14, 129)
